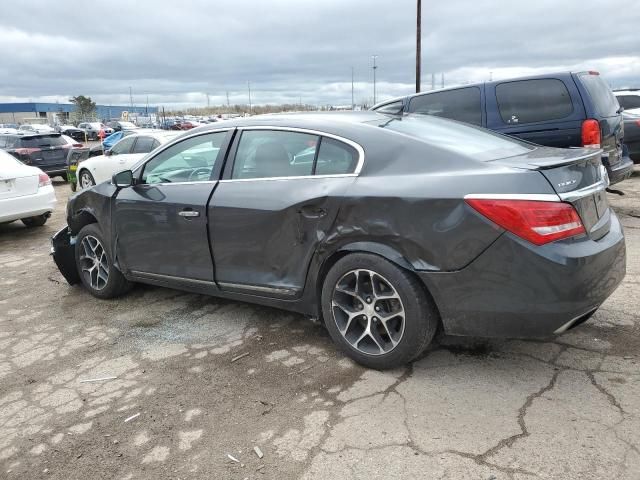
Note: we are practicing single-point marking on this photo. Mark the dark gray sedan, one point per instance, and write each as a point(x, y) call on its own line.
point(385, 228)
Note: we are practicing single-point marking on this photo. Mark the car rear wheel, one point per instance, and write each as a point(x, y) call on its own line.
point(378, 313)
point(95, 265)
point(37, 221)
point(86, 179)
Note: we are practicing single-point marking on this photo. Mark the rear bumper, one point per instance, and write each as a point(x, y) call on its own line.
point(43, 201)
point(621, 171)
point(515, 289)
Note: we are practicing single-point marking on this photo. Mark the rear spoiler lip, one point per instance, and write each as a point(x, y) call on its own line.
point(521, 161)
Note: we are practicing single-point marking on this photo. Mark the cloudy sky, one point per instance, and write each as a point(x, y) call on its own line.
point(178, 51)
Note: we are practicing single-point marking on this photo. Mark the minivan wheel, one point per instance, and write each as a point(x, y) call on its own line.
point(86, 179)
point(377, 313)
point(95, 265)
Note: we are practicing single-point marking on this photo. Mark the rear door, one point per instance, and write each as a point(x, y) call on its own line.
point(546, 111)
point(160, 223)
point(279, 198)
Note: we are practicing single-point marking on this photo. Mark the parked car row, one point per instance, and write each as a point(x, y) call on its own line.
point(573, 109)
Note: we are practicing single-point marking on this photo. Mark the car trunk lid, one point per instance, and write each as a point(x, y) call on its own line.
point(577, 176)
point(18, 181)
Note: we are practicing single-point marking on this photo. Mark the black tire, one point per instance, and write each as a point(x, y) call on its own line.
point(115, 284)
point(421, 318)
point(89, 179)
point(37, 221)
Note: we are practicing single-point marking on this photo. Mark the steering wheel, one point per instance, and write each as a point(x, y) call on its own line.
point(198, 171)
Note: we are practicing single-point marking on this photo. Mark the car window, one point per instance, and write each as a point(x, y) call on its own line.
point(191, 160)
point(603, 98)
point(335, 157)
point(393, 108)
point(472, 141)
point(529, 101)
point(123, 146)
point(274, 153)
point(143, 145)
point(462, 104)
point(3, 142)
point(629, 101)
point(43, 141)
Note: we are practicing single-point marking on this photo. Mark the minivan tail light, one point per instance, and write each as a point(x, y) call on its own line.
point(43, 180)
point(591, 133)
point(536, 221)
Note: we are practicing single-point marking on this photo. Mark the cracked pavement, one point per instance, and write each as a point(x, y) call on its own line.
point(151, 386)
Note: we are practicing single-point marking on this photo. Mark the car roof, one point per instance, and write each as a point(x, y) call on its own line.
point(164, 135)
point(628, 91)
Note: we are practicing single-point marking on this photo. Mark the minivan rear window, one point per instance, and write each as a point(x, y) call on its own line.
point(475, 142)
point(530, 101)
point(604, 100)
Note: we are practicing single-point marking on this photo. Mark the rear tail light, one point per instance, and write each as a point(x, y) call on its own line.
point(26, 151)
point(535, 221)
point(591, 133)
point(43, 180)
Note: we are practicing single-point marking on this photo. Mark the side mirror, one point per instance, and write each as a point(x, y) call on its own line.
point(122, 179)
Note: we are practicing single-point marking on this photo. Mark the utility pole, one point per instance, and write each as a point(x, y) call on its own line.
point(418, 44)
point(228, 104)
point(208, 102)
point(433, 81)
point(131, 98)
point(442, 80)
point(374, 77)
point(353, 105)
point(249, 86)
point(146, 112)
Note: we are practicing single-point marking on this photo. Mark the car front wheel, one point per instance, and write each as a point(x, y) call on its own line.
point(86, 179)
point(95, 265)
point(378, 313)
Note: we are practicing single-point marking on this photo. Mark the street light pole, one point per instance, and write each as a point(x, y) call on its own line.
point(418, 44)
point(249, 86)
point(353, 104)
point(374, 77)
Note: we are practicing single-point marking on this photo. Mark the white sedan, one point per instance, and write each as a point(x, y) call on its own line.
point(26, 192)
point(122, 156)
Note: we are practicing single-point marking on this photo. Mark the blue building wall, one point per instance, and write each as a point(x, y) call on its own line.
point(102, 111)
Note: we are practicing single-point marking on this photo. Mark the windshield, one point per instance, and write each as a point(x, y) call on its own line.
point(457, 137)
point(127, 125)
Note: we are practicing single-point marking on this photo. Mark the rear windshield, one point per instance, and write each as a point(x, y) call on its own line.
point(459, 138)
point(604, 100)
point(7, 159)
point(42, 141)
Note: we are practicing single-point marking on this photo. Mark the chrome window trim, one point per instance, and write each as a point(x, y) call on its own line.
point(539, 197)
point(309, 131)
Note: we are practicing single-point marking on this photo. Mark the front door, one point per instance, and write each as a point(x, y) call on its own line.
point(280, 200)
point(161, 222)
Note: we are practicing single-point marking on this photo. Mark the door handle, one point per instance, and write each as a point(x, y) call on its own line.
point(189, 213)
point(311, 211)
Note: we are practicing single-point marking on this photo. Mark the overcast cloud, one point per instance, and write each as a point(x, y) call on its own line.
point(177, 51)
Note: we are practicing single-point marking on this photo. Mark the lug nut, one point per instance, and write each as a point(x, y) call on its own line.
point(368, 299)
point(377, 309)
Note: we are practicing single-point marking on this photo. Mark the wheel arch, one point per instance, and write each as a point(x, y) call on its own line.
point(375, 248)
point(81, 218)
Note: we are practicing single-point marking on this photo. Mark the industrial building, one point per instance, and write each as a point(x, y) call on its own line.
point(52, 113)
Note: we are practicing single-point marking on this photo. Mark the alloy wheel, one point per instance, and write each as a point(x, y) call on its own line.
point(85, 180)
point(94, 263)
point(368, 312)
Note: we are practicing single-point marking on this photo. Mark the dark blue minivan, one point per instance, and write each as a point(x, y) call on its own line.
point(557, 110)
